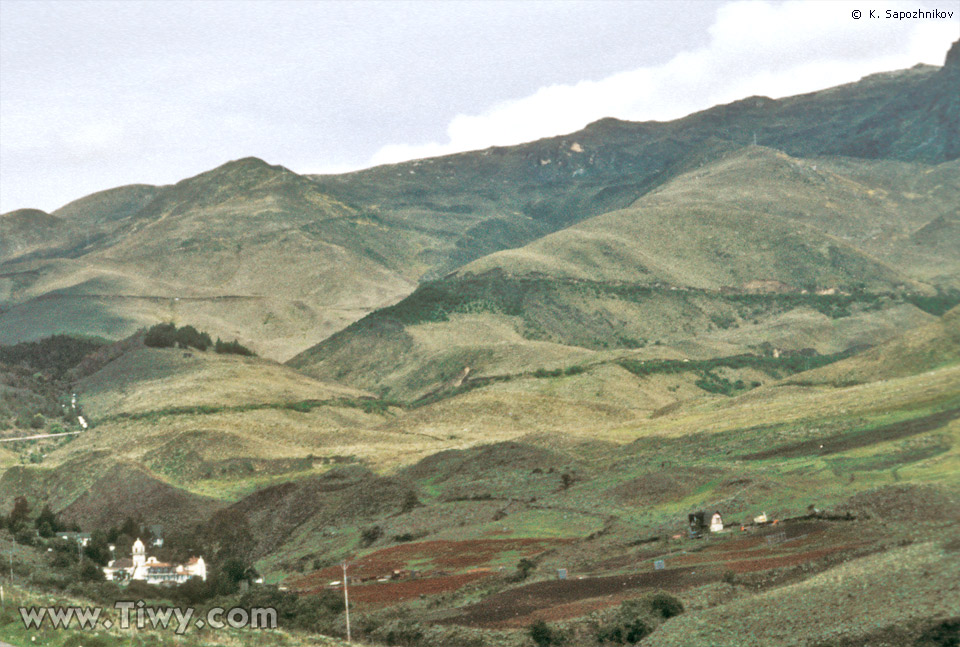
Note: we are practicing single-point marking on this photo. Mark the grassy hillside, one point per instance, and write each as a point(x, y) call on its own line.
point(753, 214)
point(26, 230)
point(923, 349)
point(216, 248)
point(462, 489)
point(206, 249)
point(752, 250)
point(149, 379)
point(623, 326)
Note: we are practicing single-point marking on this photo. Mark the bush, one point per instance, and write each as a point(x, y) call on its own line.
point(64, 554)
point(407, 634)
point(163, 335)
point(543, 635)
point(627, 631)
point(942, 634)
point(370, 535)
point(167, 335)
point(188, 336)
point(630, 625)
point(410, 501)
point(313, 613)
point(232, 348)
point(90, 572)
point(524, 568)
point(26, 537)
point(666, 605)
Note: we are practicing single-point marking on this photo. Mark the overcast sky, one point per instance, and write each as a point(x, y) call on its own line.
point(95, 95)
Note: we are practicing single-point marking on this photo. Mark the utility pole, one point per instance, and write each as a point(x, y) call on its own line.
point(346, 597)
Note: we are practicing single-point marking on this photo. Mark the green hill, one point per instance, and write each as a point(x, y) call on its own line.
point(543, 358)
point(924, 348)
point(754, 248)
point(216, 249)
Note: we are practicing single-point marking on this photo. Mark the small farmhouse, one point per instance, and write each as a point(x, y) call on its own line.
point(716, 522)
point(153, 571)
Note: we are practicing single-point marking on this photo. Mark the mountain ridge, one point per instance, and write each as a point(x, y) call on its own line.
point(370, 236)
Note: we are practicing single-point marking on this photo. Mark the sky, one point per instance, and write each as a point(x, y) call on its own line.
point(95, 95)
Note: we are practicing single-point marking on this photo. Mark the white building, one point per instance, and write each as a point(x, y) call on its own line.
point(153, 571)
point(716, 522)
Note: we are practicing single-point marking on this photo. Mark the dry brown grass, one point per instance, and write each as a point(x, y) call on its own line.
point(893, 588)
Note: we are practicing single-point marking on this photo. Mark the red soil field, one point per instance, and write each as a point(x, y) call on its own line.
point(562, 600)
point(766, 563)
point(425, 557)
point(516, 607)
point(381, 594)
point(554, 600)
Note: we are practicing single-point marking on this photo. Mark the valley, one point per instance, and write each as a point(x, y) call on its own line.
point(495, 384)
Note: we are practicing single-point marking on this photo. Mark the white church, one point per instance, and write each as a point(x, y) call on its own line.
point(151, 570)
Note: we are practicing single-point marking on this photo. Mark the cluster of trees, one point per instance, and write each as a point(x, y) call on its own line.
point(54, 355)
point(224, 542)
point(232, 347)
point(167, 335)
point(46, 524)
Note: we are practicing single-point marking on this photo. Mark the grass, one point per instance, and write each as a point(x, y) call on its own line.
point(13, 631)
point(899, 587)
point(594, 352)
point(367, 405)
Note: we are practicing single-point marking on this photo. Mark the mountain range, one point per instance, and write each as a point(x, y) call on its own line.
point(476, 371)
point(217, 249)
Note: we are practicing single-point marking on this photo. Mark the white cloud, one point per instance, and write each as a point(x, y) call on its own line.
point(754, 48)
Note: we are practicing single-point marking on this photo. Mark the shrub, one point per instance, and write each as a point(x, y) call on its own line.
point(86, 640)
point(232, 348)
point(18, 514)
point(543, 635)
point(90, 572)
point(524, 566)
point(942, 634)
point(26, 537)
point(312, 613)
point(63, 555)
point(370, 535)
point(666, 605)
point(627, 631)
point(188, 336)
point(629, 626)
point(163, 335)
point(407, 634)
point(410, 501)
